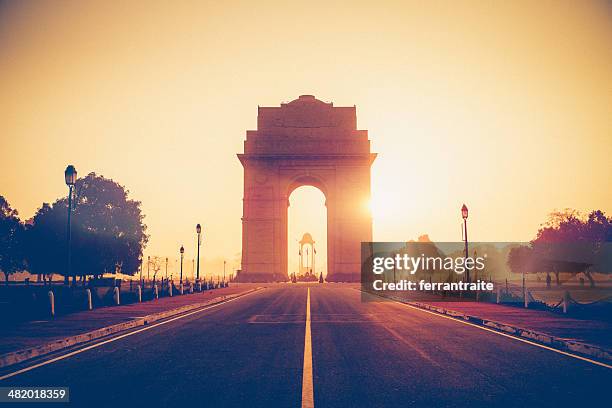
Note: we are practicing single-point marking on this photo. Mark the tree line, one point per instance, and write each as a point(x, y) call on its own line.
point(568, 242)
point(107, 228)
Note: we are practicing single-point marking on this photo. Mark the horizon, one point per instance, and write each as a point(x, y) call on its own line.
point(504, 97)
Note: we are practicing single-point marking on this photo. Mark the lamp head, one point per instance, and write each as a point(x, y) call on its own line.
point(70, 175)
point(464, 211)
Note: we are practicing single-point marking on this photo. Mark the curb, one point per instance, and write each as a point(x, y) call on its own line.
point(568, 345)
point(19, 356)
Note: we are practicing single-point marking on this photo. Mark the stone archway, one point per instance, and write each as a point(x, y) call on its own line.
point(305, 142)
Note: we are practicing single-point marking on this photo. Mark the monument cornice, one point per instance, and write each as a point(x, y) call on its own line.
point(307, 157)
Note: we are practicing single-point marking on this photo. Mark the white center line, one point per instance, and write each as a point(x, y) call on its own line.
point(307, 390)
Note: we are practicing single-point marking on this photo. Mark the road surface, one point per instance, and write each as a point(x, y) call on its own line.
point(249, 352)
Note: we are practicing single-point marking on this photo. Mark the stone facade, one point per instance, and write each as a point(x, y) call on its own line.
point(305, 142)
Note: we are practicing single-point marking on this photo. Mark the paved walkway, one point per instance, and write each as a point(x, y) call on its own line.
point(35, 333)
point(595, 332)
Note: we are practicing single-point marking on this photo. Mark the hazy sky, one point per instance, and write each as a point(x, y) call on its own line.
point(506, 106)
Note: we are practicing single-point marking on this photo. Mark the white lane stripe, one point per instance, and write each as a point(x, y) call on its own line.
point(72, 353)
point(509, 336)
point(307, 389)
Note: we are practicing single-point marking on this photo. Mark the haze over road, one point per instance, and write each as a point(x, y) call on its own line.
point(250, 352)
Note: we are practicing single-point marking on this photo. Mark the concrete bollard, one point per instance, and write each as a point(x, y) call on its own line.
point(139, 291)
point(89, 303)
point(155, 291)
point(170, 285)
point(116, 296)
point(51, 303)
point(498, 295)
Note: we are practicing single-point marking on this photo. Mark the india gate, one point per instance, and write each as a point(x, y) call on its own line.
point(305, 142)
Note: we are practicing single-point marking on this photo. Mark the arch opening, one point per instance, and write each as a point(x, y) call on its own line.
point(307, 232)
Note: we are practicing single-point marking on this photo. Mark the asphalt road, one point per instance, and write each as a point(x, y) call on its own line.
point(250, 353)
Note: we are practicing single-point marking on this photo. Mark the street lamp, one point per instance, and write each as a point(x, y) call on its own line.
point(224, 263)
point(70, 175)
point(199, 231)
point(182, 255)
point(464, 215)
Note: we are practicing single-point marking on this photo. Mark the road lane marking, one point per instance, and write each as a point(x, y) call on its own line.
point(93, 346)
point(507, 335)
point(307, 389)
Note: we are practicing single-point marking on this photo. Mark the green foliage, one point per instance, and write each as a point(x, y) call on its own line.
point(568, 242)
point(108, 232)
point(11, 237)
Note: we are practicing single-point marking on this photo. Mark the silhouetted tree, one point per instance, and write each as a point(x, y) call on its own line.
point(569, 242)
point(156, 263)
point(520, 259)
point(108, 233)
point(11, 236)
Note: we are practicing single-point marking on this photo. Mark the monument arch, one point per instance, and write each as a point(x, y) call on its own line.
point(305, 142)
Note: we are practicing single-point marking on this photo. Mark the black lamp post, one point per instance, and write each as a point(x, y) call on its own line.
point(199, 231)
point(182, 255)
point(70, 175)
point(464, 214)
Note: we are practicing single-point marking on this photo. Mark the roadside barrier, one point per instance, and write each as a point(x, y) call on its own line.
point(89, 303)
point(52, 303)
point(116, 296)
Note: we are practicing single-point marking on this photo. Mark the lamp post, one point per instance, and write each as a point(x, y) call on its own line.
point(182, 255)
point(148, 265)
point(464, 214)
point(70, 175)
point(199, 231)
point(224, 263)
point(166, 268)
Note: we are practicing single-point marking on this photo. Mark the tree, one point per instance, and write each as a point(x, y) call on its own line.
point(570, 242)
point(11, 237)
point(156, 263)
point(108, 233)
point(520, 259)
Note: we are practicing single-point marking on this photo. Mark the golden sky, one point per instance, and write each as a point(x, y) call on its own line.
point(506, 106)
